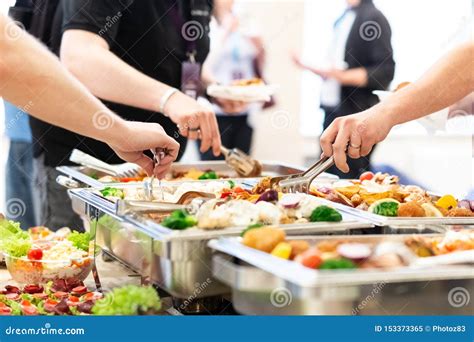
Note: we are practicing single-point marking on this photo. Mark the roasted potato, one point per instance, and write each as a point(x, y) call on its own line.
point(264, 239)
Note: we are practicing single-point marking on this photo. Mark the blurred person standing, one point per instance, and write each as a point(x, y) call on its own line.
point(233, 56)
point(359, 60)
point(19, 168)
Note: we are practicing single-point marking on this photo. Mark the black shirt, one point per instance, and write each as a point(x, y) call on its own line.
point(147, 35)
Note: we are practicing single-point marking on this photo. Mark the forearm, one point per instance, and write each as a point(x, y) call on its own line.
point(106, 75)
point(35, 80)
point(448, 81)
point(355, 77)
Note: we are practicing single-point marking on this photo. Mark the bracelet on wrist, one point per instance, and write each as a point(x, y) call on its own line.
point(165, 98)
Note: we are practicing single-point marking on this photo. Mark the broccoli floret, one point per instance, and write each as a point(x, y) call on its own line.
point(325, 214)
point(386, 209)
point(179, 219)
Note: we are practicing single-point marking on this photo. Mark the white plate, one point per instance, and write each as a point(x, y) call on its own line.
point(251, 93)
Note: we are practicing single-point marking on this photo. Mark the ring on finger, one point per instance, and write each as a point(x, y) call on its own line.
point(355, 147)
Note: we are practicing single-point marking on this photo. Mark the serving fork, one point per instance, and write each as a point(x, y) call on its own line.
point(301, 182)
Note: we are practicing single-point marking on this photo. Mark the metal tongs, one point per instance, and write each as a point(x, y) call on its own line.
point(158, 155)
point(301, 182)
point(124, 207)
point(242, 163)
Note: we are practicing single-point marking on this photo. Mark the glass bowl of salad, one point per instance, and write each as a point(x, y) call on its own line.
point(49, 261)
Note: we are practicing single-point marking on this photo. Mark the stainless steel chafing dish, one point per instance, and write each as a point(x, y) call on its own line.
point(265, 285)
point(178, 261)
point(269, 168)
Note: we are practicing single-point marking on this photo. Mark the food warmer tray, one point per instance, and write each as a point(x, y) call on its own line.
point(380, 220)
point(265, 285)
point(178, 261)
point(269, 168)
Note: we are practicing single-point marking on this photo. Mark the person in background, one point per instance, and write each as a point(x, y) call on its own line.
point(359, 60)
point(19, 168)
point(134, 56)
point(233, 56)
point(450, 80)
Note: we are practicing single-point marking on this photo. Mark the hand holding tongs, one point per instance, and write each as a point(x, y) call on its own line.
point(158, 155)
point(301, 182)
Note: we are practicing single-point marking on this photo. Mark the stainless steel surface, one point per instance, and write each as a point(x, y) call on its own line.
point(269, 286)
point(125, 207)
point(302, 182)
point(178, 261)
point(78, 173)
point(120, 170)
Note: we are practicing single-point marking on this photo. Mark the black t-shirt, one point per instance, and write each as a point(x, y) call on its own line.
point(146, 34)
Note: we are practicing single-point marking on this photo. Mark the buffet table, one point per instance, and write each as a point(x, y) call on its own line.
point(369, 246)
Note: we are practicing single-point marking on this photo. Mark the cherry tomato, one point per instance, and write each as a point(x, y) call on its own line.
point(25, 302)
point(35, 254)
point(366, 176)
point(311, 258)
point(73, 299)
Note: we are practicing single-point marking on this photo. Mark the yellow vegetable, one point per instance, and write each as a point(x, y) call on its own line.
point(447, 202)
point(282, 250)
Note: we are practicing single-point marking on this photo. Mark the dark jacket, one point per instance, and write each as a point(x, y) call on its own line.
point(369, 46)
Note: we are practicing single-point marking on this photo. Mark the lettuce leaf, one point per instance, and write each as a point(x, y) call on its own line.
point(80, 240)
point(128, 300)
point(13, 240)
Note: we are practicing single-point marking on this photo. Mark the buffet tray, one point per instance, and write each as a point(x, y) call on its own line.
point(402, 221)
point(265, 285)
point(269, 168)
point(178, 261)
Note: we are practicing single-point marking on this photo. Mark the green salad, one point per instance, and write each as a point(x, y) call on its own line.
point(13, 240)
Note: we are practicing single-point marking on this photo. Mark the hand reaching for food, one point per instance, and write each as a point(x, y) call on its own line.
point(141, 137)
point(194, 121)
point(354, 135)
